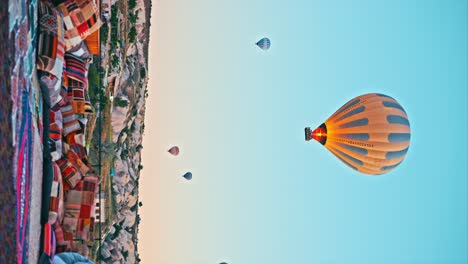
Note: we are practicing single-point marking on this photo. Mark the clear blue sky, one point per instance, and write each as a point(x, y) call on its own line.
point(260, 193)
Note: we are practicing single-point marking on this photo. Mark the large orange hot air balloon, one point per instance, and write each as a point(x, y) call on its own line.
point(371, 133)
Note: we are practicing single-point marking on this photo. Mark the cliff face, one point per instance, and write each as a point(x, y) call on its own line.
point(127, 119)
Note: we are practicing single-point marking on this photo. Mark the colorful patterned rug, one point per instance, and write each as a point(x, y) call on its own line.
point(23, 103)
point(7, 199)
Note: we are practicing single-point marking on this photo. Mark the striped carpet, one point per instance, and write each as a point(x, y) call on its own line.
point(7, 199)
point(20, 131)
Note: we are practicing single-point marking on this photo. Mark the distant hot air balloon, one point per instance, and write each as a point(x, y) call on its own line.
point(371, 133)
point(188, 176)
point(264, 43)
point(174, 151)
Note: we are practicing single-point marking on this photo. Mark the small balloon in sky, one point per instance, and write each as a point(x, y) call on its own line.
point(264, 43)
point(370, 133)
point(188, 176)
point(174, 150)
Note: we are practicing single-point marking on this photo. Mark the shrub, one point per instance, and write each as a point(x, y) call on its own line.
point(131, 4)
point(115, 61)
point(93, 83)
point(118, 101)
point(132, 35)
point(104, 33)
point(124, 154)
point(142, 73)
point(132, 17)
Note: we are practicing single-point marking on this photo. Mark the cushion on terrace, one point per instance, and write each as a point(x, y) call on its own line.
point(76, 68)
point(79, 207)
point(51, 41)
point(78, 136)
point(64, 240)
point(70, 121)
point(77, 162)
point(81, 18)
point(70, 174)
point(56, 195)
point(82, 51)
point(81, 151)
point(78, 97)
point(82, 107)
point(49, 240)
point(75, 141)
point(53, 84)
point(55, 133)
point(64, 88)
point(52, 217)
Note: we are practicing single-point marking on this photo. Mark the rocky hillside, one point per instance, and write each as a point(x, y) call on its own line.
point(127, 119)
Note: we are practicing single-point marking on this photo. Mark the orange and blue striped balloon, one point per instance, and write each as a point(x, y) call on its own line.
point(370, 133)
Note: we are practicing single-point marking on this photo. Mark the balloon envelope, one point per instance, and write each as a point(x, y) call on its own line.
point(264, 43)
point(370, 133)
point(188, 176)
point(174, 151)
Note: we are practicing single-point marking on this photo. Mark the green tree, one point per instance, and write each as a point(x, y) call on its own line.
point(125, 255)
point(104, 33)
point(93, 83)
point(124, 154)
point(142, 73)
point(115, 61)
point(118, 101)
point(132, 17)
point(132, 35)
point(131, 4)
